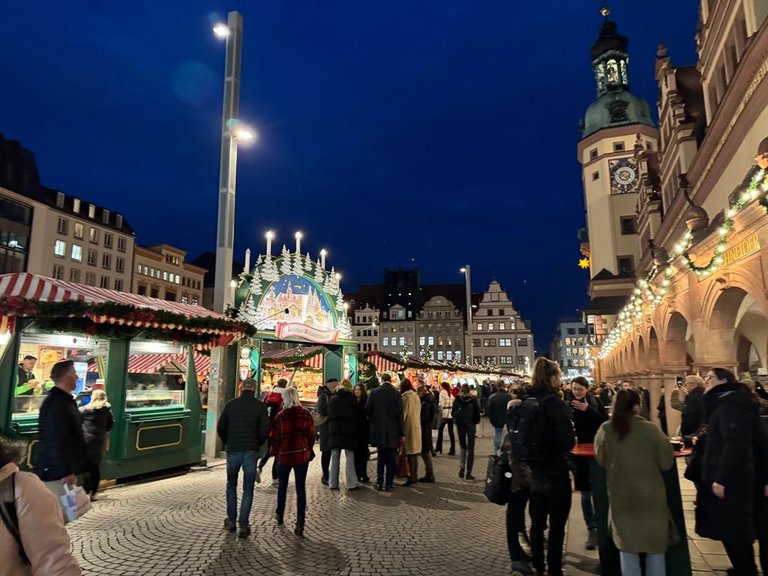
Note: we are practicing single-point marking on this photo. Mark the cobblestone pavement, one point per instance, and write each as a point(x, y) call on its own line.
point(174, 526)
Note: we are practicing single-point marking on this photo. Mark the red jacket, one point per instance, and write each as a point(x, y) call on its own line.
point(292, 436)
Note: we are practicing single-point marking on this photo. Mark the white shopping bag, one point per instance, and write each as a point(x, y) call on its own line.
point(74, 502)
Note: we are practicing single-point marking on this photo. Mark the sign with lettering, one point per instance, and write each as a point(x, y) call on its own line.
point(306, 332)
point(748, 246)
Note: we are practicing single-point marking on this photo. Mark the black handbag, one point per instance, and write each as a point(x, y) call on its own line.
point(497, 480)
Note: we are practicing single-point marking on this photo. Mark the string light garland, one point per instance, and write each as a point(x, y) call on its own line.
point(646, 297)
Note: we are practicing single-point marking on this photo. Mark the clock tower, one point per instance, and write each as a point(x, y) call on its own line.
point(616, 127)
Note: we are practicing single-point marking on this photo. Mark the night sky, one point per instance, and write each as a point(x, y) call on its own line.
point(434, 133)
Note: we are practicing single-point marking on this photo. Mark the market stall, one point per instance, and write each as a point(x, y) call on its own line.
point(146, 353)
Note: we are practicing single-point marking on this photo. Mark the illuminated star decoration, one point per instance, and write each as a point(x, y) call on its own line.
point(584, 263)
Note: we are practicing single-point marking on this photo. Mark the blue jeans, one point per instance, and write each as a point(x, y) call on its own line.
point(300, 477)
point(588, 510)
point(630, 564)
point(351, 476)
point(385, 467)
point(247, 461)
point(497, 439)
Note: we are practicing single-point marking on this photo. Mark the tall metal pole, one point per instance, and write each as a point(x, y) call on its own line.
point(225, 227)
point(468, 288)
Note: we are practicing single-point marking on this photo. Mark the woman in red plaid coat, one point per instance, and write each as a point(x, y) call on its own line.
point(290, 442)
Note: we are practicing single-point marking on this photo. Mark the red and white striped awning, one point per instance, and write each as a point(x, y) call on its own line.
point(311, 356)
point(151, 363)
point(202, 362)
point(383, 364)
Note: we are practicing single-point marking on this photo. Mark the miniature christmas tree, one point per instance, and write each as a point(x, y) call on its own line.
point(285, 262)
point(319, 274)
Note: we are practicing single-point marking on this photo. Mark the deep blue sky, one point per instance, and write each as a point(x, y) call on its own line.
point(434, 132)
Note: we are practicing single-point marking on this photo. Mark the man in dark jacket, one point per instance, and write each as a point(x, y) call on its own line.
point(466, 415)
point(243, 427)
point(497, 413)
point(689, 399)
point(342, 434)
point(385, 412)
point(426, 415)
point(323, 396)
point(587, 415)
point(60, 452)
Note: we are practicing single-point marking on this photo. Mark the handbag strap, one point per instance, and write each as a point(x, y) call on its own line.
point(8, 513)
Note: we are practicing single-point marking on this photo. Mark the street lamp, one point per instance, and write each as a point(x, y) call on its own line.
point(468, 288)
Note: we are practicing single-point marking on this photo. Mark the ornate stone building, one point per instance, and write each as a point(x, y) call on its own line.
point(700, 295)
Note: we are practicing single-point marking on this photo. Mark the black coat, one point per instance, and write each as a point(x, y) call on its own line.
point(728, 459)
point(466, 411)
point(428, 408)
point(693, 412)
point(385, 412)
point(362, 427)
point(586, 423)
point(96, 424)
point(497, 408)
point(342, 420)
point(323, 395)
point(559, 438)
point(761, 498)
point(61, 445)
point(244, 424)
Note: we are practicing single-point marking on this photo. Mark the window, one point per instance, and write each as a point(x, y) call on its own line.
point(93, 235)
point(489, 359)
point(120, 264)
point(165, 275)
point(79, 230)
point(439, 354)
point(62, 226)
point(490, 326)
point(593, 154)
point(120, 244)
point(142, 290)
point(489, 312)
point(76, 206)
point(90, 278)
point(511, 324)
point(501, 311)
point(502, 326)
point(618, 146)
point(185, 300)
point(107, 239)
point(476, 342)
point(479, 326)
point(58, 272)
point(505, 341)
point(154, 292)
point(138, 268)
point(77, 253)
point(105, 216)
point(422, 340)
point(570, 331)
point(628, 225)
point(106, 261)
point(74, 275)
point(118, 220)
point(505, 360)
point(522, 342)
point(92, 255)
point(487, 342)
point(91, 211)
point(145, 271)
point(195, 301)
point(60, 248)
point(118, 284)
point(449, 355)
point(385, 342)
point(431, 341)
point(626, 265)
point(178, 279)
point(104, 282)
point(595, 176)
point(171, 296)
point(60, 200)
point(401, 341)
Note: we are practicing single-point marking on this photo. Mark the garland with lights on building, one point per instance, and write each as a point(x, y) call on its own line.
point(644, 300)
point(112, 320)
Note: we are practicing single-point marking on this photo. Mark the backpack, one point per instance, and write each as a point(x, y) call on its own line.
point(525, 426)
point(8, 513)
point(437, 415)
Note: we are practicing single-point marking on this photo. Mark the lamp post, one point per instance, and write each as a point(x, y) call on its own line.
point(232, 131)
point(466, 270)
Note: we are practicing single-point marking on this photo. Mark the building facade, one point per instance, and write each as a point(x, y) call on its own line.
point(499, 336)
point(47, 232)
point(570, 348)
point(699, 297)
point(160, 271)
point(365, 327)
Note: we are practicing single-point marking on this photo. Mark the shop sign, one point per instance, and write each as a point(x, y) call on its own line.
point(305, 332)
point(741, 250)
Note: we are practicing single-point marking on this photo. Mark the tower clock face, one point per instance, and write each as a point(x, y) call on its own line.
point(623, 175)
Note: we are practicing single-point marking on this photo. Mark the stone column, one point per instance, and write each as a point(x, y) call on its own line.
point(653, 382)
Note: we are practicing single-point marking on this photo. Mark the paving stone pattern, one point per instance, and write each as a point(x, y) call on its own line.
point(174, 526)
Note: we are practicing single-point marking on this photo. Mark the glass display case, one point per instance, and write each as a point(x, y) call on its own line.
point(153, 398)
point(155, 375)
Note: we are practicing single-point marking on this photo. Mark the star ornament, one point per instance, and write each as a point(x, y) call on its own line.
point(584, 263)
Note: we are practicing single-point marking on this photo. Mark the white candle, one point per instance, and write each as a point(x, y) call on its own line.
point(270, 235)
point(323, 254)
point(247, 260)
point(298, 237)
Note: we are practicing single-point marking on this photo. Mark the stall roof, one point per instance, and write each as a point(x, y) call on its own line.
point(310, 356)
point(54, 301)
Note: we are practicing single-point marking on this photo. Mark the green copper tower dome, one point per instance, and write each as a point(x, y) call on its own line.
point(615, 105)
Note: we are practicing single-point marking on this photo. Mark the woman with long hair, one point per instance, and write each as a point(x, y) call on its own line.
point(634, 453)
point(361, 448)
point(727, 481)
point(97, 422)
point(550, 499)
point(290, 441)
point(36, 542)
point(445, 401)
